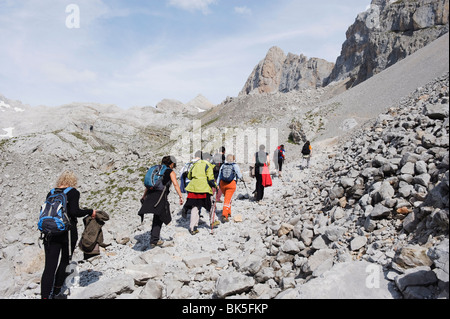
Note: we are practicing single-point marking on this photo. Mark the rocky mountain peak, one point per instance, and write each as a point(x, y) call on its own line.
point(279, 72)
point(196, 105)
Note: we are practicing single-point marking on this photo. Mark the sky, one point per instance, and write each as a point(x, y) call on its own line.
point(139, 52)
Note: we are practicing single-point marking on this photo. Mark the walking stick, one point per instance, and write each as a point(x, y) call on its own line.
point(212, 214)
point(246, 196)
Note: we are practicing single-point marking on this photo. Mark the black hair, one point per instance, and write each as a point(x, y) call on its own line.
point(168, 160)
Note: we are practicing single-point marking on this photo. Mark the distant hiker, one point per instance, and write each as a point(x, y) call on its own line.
point(306, 152)
point(228, 175)
point(59, 247)
point(218, 160)
point(155, 199)
point(199, 190)
point(260, 159)
point(281, 158)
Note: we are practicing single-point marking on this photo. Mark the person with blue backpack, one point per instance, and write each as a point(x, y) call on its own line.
point(58, 226)
point(228, 174)
point(155, 199)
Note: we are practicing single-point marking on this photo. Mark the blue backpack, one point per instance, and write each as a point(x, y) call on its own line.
point(227, 173)
point(153, 178)
point(53, 218)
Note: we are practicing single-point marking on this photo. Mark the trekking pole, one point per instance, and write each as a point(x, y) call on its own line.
point(248, 195)
point(212, 214)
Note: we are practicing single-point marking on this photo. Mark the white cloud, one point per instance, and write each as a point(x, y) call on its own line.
point(193, 5)
point(60, 73)
point(242, 10)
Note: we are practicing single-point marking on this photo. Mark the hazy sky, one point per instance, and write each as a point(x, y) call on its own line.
point(138, 52)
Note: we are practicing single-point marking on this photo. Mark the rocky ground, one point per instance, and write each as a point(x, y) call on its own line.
point(368, 219)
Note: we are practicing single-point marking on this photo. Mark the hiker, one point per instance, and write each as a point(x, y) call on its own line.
point(210, 159)
point(261, 157)
point(155, 201)
point(218, 160)
point(199, 190)
point(306, 152)
point(57, 251)
point(228, 175)
point(281, 158)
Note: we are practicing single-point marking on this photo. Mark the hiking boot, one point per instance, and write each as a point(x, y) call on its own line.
point(215, 224)
point(158, 244)
point(225, 219)
point(60, 296)
point(193, 232)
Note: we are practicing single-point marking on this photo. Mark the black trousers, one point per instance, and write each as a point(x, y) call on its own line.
point(156, 229)
point(54, 273)
point(280, 164)
point(259, 185)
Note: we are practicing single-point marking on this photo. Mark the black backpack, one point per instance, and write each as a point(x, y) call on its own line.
point(53, 218)
point(306, 150)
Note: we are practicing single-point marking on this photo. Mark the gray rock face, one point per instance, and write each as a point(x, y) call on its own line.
point(386, 33)
point(281, 73)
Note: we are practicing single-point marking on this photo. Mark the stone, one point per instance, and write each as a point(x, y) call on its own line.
point(420, 276)
point(291, 247)
point(152, 290)
point(408, 168)
point(197, 260)
point(318, 258)
point(420, 168)
point(141, 274)
point(320, 242)
point(337, 192)
point(410, 222)
point(406, 190)
point(423, 179)
point(232, 284)
point(358, 242)
point(306, 236)
point(412, 256)
point(108, 288)
point(284, 229)
point(334, 232)
point(349, 280)
point(382, 192)
point(380, 211)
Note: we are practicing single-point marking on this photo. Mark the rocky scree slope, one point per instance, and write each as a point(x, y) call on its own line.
point(379, 198)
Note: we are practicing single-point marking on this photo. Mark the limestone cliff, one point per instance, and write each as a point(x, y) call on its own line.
point(386, 33)
point(278, 72)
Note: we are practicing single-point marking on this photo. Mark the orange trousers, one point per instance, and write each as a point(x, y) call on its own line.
point(228, 190)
